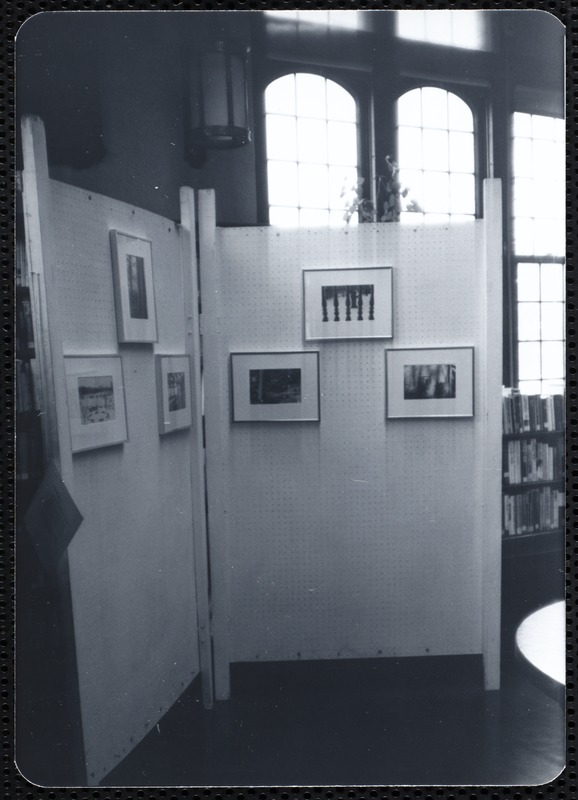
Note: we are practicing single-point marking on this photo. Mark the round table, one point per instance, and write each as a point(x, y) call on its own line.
point(540, 646)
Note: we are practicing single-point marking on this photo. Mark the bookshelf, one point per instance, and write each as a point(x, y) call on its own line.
point(29, 449)
point(533, 496)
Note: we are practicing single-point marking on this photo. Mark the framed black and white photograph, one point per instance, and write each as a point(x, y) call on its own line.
point(348, 303)
point(275, 387)
point(96, 405)
point(430, 382)
point(173, 392)
point(133, 288)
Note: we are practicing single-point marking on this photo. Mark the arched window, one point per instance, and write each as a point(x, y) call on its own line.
point(435, 139)
point(312, 149)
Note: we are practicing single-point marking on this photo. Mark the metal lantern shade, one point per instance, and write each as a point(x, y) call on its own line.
point(219, 113)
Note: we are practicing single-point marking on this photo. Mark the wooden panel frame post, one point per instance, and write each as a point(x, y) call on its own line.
point(198, 483)
point(491, 460)
point(216, 393)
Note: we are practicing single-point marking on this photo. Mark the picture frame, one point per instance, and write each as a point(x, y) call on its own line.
point(348, 303)
point(173, 373)
point(275, 387)
point(431, 382)
point(96, 405)
point(133, 288)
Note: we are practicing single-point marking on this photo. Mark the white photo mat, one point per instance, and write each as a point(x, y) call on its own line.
point(96, 405)
point(275, 387)
point(173, 392)
point(133, 288)
point(430, 382)
point(348, 303)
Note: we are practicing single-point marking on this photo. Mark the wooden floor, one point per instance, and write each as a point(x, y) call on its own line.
point(355, 723)
point(382, 722)
point(375, 722)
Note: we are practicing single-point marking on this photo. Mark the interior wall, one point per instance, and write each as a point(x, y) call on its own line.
point(358, 536)
point(535, 71)
point(132, 560)
point(112, 91)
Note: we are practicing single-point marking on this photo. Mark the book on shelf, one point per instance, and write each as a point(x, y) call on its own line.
point(533, 463)
point(24, 327)
point(29, 458)
point(21, 263)
point(530, 460)
point(538, 510)
point(25, 398)
point(532, 413)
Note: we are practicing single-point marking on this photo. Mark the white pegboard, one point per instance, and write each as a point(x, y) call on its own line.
point(83, 270)
point(360, 536)
point(131, 561)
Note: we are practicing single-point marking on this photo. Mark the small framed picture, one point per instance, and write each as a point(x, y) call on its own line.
point(430, 382)
point(348, 303)
point(275, 387)
point(96, 406)
point(173, 393)
point(133, 288)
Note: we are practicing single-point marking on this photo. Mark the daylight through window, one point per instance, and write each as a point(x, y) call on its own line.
point(539, 212)
point(466, 29)
point(335, 19)
point(435, 140)
point(312, 150)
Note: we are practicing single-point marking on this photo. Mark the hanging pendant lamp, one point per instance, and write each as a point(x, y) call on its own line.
point(219, 118)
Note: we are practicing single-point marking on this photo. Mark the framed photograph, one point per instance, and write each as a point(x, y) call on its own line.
point(430, 382)
point(275, 387)
point(96, 407)
point(348, 303)
point(133, 288)
point(173, 393)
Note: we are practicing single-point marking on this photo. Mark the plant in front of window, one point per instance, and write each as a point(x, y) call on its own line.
point(354, 202)
point(390, 195)
point(391, 191)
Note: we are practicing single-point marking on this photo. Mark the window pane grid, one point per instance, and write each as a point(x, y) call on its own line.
point(453, 28)
point(538, 159)
point(316, 138)
point(538, 162)
point(541, 327)
point(436, 155)
point(338, 19)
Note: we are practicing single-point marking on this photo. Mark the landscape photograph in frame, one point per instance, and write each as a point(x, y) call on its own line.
point(430, 382)
point(275, 387)
point(96, 404)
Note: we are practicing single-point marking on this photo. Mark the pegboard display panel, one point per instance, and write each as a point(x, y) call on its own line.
point(83, 269)
point(132, 560)
point(359, 536)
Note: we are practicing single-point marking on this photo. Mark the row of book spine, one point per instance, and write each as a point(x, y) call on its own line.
point(531, 460)
point(534, 511)
point(24, 326)
point(531, 413)
point(25, 395)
